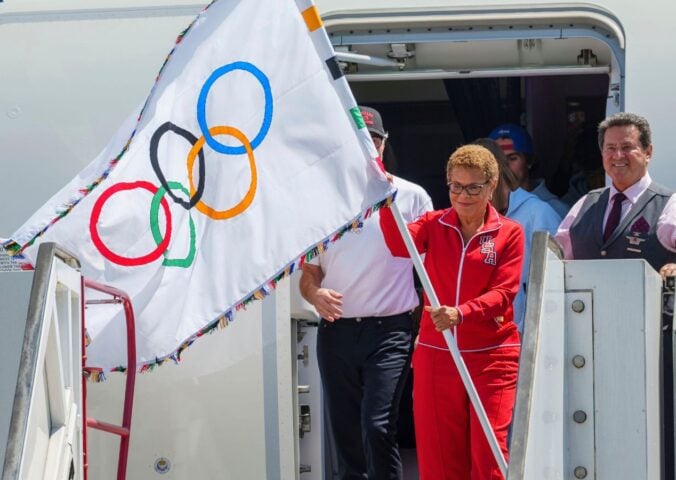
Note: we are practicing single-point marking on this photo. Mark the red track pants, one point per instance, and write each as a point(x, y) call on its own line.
point(450, 441)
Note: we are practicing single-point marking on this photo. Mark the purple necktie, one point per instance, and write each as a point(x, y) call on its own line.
point(614, 215)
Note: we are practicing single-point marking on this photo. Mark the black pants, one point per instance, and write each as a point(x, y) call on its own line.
point(364, 363)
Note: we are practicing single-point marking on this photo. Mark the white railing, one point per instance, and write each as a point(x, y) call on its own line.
point(537, 442)
point(45, 430)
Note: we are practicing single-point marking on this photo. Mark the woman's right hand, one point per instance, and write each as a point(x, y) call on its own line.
point(443, 317)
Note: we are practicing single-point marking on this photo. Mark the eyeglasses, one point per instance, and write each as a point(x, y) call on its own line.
point(472, 189)
point(377, 140)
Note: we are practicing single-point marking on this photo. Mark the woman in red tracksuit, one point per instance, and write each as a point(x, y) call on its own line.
point(473, 257)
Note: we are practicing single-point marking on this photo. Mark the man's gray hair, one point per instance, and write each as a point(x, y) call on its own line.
point(623, 119)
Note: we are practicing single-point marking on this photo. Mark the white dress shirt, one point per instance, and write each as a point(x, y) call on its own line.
point(666, 224)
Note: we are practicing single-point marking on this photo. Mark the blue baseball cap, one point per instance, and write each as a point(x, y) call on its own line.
point(518, 135)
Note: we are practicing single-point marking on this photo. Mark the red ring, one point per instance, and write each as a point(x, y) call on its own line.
point(109, 254)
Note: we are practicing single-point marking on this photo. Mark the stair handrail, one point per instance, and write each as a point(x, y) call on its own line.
point(28, 363)
point(124, 431)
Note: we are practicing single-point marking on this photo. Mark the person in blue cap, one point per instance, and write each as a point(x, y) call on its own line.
point(518, 147)
point(533, 213)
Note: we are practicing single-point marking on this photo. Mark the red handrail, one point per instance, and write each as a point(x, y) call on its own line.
point(118, 297)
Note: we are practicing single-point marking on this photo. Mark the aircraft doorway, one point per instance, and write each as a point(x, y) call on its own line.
point(428, 119)
point(560, 112)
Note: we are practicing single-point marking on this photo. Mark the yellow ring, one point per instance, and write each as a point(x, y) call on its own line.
point(248, 197)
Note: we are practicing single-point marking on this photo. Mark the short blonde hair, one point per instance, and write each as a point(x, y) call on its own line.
point(473, 156)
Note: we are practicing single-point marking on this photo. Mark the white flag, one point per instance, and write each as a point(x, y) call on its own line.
point(248, 156)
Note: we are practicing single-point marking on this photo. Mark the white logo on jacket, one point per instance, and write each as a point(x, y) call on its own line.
point(488, 249)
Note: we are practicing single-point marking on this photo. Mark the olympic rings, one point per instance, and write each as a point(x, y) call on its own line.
point(155, 228)
point(194, 195)
point(154, 161)
point(202, 100)
point(248, 197)
point(109, 254)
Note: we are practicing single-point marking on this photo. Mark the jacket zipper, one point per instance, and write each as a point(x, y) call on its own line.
point(462, 262)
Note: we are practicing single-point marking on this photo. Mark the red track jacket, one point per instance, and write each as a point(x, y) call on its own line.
point(481, 279)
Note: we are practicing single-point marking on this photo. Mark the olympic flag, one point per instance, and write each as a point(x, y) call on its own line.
point(248, 156)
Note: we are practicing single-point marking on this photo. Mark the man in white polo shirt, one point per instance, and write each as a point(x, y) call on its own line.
point(365, 298)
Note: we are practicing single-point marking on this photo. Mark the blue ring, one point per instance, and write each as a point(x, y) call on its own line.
point(202, 102)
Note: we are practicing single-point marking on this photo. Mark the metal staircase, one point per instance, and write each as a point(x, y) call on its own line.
point(45, 438)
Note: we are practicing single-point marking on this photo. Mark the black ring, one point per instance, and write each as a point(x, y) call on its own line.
point(155, 162)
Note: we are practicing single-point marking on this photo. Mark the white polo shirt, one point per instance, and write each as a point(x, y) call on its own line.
point(360, 266)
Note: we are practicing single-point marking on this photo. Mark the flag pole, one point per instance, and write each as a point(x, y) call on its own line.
point(450, 341)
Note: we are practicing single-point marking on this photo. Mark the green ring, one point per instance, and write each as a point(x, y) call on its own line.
point(155, 227)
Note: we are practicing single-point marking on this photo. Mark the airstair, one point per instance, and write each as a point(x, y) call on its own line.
point(43, 434)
